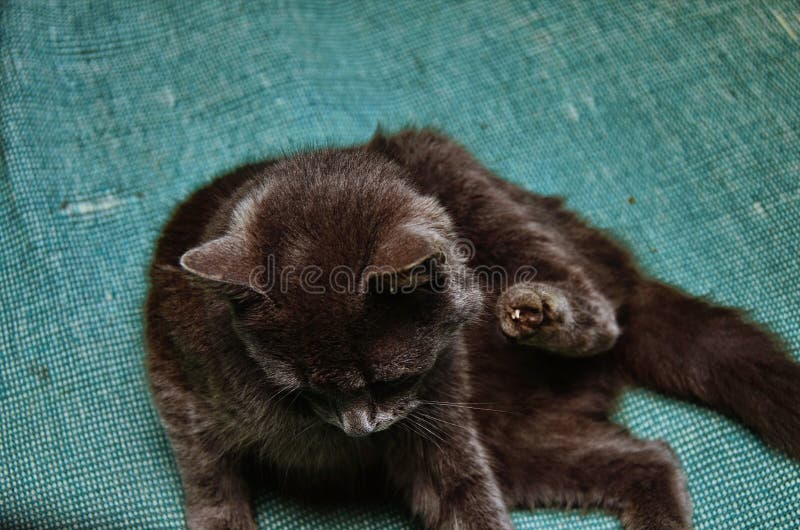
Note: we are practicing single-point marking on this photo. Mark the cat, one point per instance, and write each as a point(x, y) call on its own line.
point(315, 323)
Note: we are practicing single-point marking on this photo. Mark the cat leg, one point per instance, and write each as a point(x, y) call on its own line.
point(216, 494)
point(559, 317)
point(559, 308)
point(686, 347)
point(442, 470)
point(562, 311)
point(597, 465)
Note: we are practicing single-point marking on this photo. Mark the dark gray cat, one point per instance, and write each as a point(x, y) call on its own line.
point(314, 323)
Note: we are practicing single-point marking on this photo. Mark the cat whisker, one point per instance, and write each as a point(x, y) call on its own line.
point(407, 428)
point(428, 427)
point(425, 421)
point(282, 392)
point(463, 402)
point(466, 429)
point(306, 429)
point(458, 405)
point(431, 417)
point(296, 395)
point(416, 428)
point(413, 431)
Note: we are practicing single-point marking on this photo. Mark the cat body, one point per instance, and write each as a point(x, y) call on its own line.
point(464, 401)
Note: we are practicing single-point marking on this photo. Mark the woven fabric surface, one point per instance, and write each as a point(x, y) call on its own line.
point(675, 125)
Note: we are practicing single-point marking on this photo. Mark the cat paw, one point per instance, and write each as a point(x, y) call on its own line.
point(525, 310)
point(222, 517)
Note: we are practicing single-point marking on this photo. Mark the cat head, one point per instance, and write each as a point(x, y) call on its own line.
point(343, 282)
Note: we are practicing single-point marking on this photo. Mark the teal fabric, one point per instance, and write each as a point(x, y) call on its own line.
point(673, 124)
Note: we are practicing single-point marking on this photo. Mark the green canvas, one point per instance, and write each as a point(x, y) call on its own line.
point(675, 125)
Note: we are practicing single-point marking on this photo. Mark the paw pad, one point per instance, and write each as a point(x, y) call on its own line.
point(520, 317)
point(526, 318)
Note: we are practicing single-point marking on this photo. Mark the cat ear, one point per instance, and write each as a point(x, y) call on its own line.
point(406, 258)
point(223, 259)
point(406, 249)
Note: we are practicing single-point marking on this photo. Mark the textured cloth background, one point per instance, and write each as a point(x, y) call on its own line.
point(675, 125)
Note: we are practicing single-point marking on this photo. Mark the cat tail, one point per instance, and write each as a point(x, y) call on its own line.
point(689, 348)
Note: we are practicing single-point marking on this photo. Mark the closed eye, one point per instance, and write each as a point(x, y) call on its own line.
point(427, 276)
point(393, 387)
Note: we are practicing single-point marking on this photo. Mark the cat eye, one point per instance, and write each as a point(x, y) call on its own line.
point(425, 277)
point(394, 386)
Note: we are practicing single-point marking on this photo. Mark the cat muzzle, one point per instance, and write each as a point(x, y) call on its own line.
point(357, 423)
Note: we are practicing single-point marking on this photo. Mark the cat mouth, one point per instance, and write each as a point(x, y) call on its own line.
point(361, 422)
point(360, 428)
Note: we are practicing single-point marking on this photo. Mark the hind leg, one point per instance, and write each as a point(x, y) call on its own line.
point(570, 319)
point(563, 311)
point(603, 467)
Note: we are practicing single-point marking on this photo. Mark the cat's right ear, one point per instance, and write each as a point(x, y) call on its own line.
point(224, 259)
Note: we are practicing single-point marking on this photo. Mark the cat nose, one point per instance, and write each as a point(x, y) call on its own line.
point(357, 422)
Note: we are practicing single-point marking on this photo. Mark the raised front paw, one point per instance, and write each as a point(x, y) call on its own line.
point(528, 310)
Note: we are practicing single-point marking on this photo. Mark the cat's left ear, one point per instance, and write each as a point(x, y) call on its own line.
point(223, 260)
point(406, 259)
